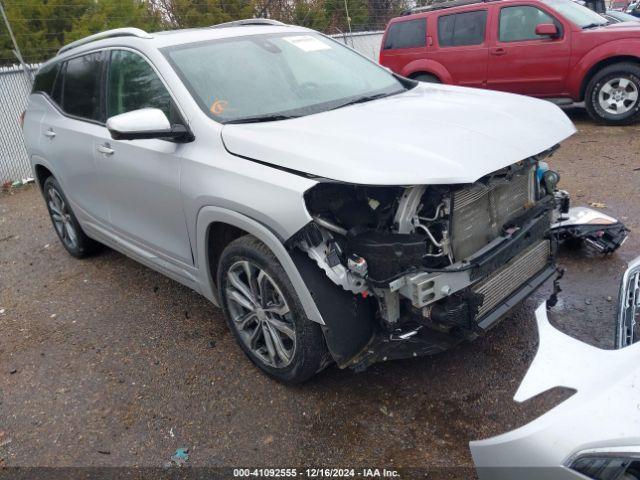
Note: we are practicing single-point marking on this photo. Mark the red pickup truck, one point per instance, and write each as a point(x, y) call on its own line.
point(552, 49)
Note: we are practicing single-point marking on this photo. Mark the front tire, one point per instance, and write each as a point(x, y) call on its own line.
point(613, 94)
point(265, 315)
point(65, 223)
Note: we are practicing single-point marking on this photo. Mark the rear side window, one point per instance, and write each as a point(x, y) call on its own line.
point(462, 28)
point(519, 23)
point(132, 84)
point(45, 79)
point(409, 34)
point(81, 96)
point(56, 93)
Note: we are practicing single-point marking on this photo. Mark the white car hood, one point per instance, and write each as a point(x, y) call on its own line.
point(432, 134)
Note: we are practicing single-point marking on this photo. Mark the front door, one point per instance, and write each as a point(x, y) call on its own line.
point(521, 61)
point(142, 177)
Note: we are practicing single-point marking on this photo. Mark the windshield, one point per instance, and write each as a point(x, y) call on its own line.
point(276, 76)
point(623, 17)
point(577, 14)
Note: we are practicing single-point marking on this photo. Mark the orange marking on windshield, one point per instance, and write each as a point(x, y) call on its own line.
point(218, 107)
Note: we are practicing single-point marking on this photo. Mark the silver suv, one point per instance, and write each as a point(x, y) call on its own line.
point(335, 211)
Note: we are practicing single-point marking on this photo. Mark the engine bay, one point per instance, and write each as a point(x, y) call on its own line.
point(437, 259)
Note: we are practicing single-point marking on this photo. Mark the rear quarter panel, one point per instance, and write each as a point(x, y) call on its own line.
point(31, 130)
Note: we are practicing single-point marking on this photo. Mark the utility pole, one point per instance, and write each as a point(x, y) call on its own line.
point(346, 9)
point(16, 49)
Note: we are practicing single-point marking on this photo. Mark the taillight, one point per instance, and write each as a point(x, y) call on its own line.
point(21, 119)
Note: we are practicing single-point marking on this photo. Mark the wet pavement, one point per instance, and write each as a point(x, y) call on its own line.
point(104, 362)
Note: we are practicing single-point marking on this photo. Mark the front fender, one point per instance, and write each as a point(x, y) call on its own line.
point(626, 47)
point(209, 215)
point(426, 65)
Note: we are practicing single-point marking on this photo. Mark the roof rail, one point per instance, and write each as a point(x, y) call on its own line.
point(443, 5)
point(116, 32)
point(249, 22)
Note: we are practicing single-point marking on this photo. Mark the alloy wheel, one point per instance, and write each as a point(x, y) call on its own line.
point(618, 96)
point(61, 216)
point(260, 314)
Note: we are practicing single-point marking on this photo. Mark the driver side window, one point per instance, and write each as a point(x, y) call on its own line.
point(132, 84)
point(519, 23)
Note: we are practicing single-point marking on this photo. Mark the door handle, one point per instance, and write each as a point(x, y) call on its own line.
point(106, 149)
point(50, 133)
point(498, 51)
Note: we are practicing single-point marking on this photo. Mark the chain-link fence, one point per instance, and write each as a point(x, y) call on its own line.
point(14, 90)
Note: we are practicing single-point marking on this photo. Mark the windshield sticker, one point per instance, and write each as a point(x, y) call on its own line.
point(307, 43)
point(218, 107)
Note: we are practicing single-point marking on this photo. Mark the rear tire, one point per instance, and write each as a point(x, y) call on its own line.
point(265, 315)
point(65, 223)
point(613, 94)
point(427, 78)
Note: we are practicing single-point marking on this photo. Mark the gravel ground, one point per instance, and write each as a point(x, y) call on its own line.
point(104, 362)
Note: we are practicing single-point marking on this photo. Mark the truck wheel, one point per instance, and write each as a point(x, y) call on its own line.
point(65, 223)
point(613, 94)
point(427, 78)
point(265, 315)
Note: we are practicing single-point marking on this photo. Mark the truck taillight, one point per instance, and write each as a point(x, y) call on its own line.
point(21, 119)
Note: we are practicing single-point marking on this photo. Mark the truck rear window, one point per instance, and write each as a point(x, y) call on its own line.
point(409, 34)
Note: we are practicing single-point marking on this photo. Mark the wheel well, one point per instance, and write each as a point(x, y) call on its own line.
point(42, 173)
point(417, 74)
point(600, 65)
point(219, 236)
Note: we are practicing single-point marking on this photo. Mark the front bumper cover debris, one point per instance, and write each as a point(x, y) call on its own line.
point(600, 420)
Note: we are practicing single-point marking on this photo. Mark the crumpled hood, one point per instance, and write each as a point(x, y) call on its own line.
point(432, 134)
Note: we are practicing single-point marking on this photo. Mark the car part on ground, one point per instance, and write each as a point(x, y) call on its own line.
point(596, 427)
point(596, 230)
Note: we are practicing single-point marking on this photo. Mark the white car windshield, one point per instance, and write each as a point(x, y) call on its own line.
point(577, 14)
point(276, 76)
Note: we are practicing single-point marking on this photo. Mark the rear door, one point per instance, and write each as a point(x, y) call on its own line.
point(521, 61)
point(404, 42)
point(462, 46)
point(70, 123)
point(142, 177)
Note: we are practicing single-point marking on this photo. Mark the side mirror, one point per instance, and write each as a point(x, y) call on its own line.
point(143, 124)
point(628, 322)
point(547, 30)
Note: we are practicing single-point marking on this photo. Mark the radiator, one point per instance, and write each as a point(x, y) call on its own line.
point(481, 210)
point(506, 280)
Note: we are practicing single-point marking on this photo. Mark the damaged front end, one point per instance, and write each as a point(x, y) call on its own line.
point(405, 271)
